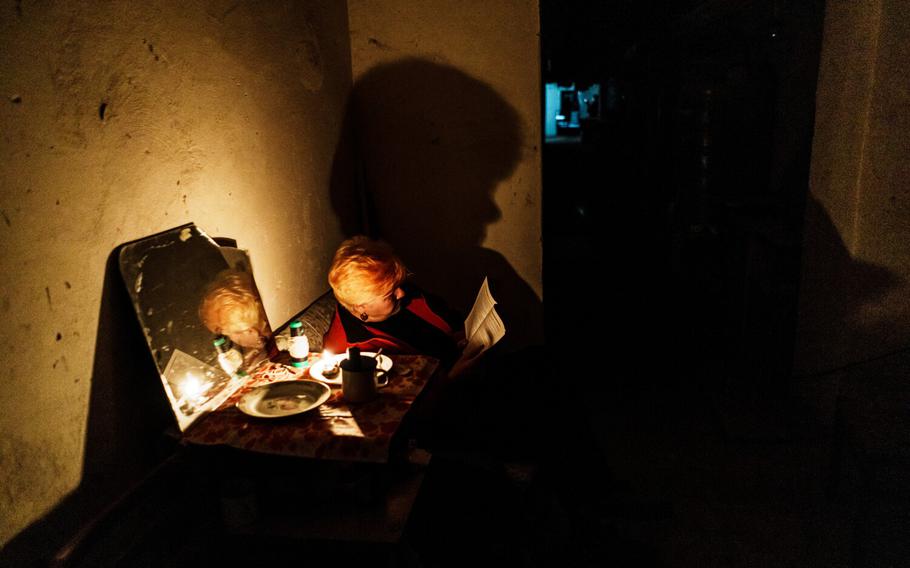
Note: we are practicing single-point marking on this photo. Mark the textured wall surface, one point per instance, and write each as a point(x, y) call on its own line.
point(447, 105)
point(120, 120)
point(854, 297)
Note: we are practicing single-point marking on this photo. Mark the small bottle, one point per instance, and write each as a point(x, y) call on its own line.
point(229, 357)
point(298, 345)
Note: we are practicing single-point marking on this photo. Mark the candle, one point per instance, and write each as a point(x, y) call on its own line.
point(329, 365)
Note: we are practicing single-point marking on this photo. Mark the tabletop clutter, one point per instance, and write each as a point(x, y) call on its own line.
point(344, 406)
point(282, 410)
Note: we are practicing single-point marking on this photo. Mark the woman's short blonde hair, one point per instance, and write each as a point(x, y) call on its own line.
point(363, 270)
point(231, 302)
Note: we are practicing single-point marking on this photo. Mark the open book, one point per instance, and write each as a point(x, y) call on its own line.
point(483, 328)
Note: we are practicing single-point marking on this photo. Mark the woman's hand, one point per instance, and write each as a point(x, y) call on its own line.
point(468, 359)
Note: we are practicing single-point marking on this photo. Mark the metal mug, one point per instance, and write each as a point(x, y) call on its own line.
point(360, 383)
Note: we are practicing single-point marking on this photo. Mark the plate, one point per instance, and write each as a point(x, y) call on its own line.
point(284, 398)
point(316, 369)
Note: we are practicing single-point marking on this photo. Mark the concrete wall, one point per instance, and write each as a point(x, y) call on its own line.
point(122, 119)
point(447, 112)
point(855, 294)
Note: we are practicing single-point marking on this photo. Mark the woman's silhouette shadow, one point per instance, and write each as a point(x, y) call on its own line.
point(840, 301)
point(431, 144)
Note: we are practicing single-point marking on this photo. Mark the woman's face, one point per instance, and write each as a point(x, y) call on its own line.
point(237, 326)
point(381, 308)
point(245, 337)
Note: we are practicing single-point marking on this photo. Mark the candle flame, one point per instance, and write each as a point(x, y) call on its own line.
point(192, 387)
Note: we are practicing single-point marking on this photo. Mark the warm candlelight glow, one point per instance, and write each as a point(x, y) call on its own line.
point(329, 365)
point(192, 387)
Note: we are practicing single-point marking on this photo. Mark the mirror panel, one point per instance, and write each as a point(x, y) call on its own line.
point(201, 315)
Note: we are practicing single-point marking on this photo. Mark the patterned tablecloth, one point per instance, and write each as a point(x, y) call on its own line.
point(335, 430)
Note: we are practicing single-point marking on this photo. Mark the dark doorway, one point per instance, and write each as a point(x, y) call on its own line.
point(675, 174)
point(680, 158)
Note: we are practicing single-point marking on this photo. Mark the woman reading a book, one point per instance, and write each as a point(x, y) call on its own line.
point(378, 308)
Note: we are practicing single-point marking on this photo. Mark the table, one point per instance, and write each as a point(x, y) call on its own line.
point(334, 431)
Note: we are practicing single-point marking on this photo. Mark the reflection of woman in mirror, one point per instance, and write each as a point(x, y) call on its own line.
point(378, 309)
point(231, 307)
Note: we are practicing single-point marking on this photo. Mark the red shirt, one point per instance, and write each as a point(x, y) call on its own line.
point(417, 328)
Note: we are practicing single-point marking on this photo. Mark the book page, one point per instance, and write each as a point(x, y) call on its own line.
point(483, 328)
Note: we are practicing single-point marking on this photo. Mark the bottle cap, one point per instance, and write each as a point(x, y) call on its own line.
point(219, 341)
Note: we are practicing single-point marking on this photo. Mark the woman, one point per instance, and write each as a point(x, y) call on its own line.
point(377, 308)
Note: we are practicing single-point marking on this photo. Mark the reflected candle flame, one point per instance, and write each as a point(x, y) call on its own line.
point(192, 387)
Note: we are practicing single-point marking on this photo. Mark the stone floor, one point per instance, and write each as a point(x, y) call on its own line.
point(663, 486)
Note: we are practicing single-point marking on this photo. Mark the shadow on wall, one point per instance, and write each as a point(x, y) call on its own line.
point(127, 415)
point(128, 411)
point(431, 144)
point(839, 296)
